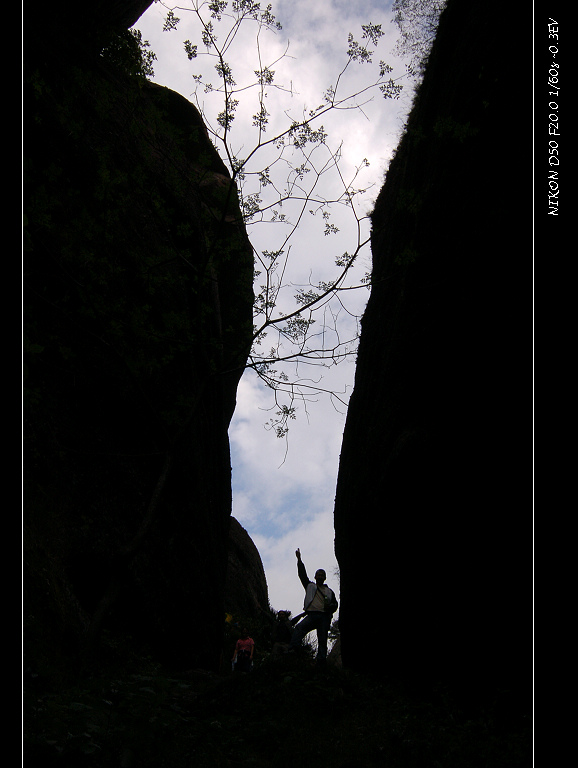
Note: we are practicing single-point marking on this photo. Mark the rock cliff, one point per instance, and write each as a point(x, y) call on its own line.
point(434, 498)
point(137, 324)
point(246, 592)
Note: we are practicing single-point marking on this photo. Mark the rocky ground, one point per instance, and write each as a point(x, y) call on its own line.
point(281, 714)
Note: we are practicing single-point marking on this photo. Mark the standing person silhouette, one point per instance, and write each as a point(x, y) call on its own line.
point(319, 605)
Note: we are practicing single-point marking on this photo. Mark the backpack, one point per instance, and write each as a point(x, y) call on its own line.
point(331, 603)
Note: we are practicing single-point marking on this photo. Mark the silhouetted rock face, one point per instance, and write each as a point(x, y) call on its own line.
point(76, 26)
point(246, 592)
point(138, 321)
point(433, 508)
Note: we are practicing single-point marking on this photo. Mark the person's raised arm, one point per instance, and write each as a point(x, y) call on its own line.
point(301, 572)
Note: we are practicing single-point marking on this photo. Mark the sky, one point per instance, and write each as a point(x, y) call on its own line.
point(284, 489)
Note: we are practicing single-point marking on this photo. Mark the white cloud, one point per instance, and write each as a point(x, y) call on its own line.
point(286, 502)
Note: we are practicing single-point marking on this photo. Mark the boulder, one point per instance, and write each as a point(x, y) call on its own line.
point(246, 593)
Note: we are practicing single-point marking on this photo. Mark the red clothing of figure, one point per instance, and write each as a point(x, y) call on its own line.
point(245, 644)
point(243, 655)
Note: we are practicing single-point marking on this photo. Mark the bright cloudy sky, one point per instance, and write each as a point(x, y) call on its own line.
point(284, 490)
